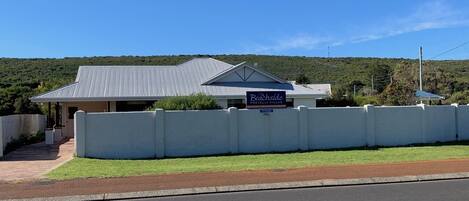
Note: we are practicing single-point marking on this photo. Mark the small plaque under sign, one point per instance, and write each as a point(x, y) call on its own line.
point(266, 110)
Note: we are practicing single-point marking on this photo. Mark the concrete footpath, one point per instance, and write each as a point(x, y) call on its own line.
point(194, 183)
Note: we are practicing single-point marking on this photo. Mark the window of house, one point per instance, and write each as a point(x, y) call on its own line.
point(289, 102)
point(71, 112)
point(125, 106)
point(238, 103)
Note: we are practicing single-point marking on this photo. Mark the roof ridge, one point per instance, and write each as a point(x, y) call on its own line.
point(204, 58)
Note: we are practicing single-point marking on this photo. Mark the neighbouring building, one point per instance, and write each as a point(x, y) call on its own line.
point(135, 88)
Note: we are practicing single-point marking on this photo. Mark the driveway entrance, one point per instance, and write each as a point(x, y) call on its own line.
point(32, 162)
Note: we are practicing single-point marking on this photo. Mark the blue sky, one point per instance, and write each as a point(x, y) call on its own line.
point(375, 28)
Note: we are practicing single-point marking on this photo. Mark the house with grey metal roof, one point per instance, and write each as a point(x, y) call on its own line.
point(131, 88)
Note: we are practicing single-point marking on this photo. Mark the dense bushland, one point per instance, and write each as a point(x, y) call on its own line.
point(389, 81)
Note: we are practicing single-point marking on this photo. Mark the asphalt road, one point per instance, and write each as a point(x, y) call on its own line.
point(448, 190)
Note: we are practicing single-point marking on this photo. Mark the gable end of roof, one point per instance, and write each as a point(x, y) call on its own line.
point(238, 66)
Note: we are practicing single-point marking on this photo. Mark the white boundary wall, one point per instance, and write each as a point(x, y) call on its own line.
point(162, 133)
point(13, 126)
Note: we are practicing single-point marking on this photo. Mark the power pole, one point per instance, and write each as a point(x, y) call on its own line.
point(354, 90)
point(328, 51)
point(390, 76)
point(421, 70)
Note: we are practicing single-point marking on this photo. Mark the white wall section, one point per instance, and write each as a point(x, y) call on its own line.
point(191, 133)
point(13, 126)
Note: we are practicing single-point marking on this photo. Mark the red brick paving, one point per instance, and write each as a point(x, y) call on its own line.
point(160, 182)
point(31, 162)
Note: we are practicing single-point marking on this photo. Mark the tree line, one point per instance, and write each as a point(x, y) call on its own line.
point(355, 81)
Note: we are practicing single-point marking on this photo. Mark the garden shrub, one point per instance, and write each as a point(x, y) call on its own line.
point(24, 140)
point(197, 101)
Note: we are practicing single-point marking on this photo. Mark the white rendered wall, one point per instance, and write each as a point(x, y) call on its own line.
point(196, 133)
point(120, 135)
point(13, 126)
point(398, 125)
point(252, 131)
point(283, 129)
point(192, 133)
point(336, 127)
point(462, 114)
point(440, 123)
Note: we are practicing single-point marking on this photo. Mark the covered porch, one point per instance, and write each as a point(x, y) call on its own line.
point(60, 115)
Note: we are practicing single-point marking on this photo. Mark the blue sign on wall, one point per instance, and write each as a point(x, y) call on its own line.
point(266, 99)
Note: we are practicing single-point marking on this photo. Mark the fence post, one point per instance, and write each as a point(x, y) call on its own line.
point(160, 133)
point(370, 125)
point(303, 128)
point(456, 123)
point(80, 133)
point(233, 129)
point(424, 122)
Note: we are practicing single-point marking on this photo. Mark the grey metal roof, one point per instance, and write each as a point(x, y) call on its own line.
point(320, 88)
point(119, 83)
point(424, 95)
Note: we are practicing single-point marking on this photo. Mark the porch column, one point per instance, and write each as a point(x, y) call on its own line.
point(57, 122)
point(49, 115)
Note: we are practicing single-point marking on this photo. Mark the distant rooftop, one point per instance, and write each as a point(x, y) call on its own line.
point(423, 95)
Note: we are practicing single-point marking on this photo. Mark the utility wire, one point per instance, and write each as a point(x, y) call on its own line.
point(449, 50)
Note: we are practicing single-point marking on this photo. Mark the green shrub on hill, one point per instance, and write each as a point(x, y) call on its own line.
point(460, 97)
point(363, 100)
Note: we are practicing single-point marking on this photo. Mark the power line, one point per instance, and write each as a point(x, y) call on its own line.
point(449, 50)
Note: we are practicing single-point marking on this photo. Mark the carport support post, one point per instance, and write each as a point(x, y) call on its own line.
point(303, 128)
point(49, 115)
point(56, 121)
point(233, 126)
point(80, 133)
point(159, 133)
point(370, 125)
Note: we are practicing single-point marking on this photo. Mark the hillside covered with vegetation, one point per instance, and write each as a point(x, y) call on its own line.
point(355, 81)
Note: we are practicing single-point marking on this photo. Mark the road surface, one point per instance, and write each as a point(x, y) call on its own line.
point(447, 190)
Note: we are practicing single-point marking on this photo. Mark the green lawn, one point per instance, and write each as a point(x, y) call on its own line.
point(82, 167)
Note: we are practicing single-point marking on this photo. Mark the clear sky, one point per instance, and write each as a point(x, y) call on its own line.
point(358, 28)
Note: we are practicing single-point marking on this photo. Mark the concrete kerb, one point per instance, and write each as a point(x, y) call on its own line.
point(258, 187)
